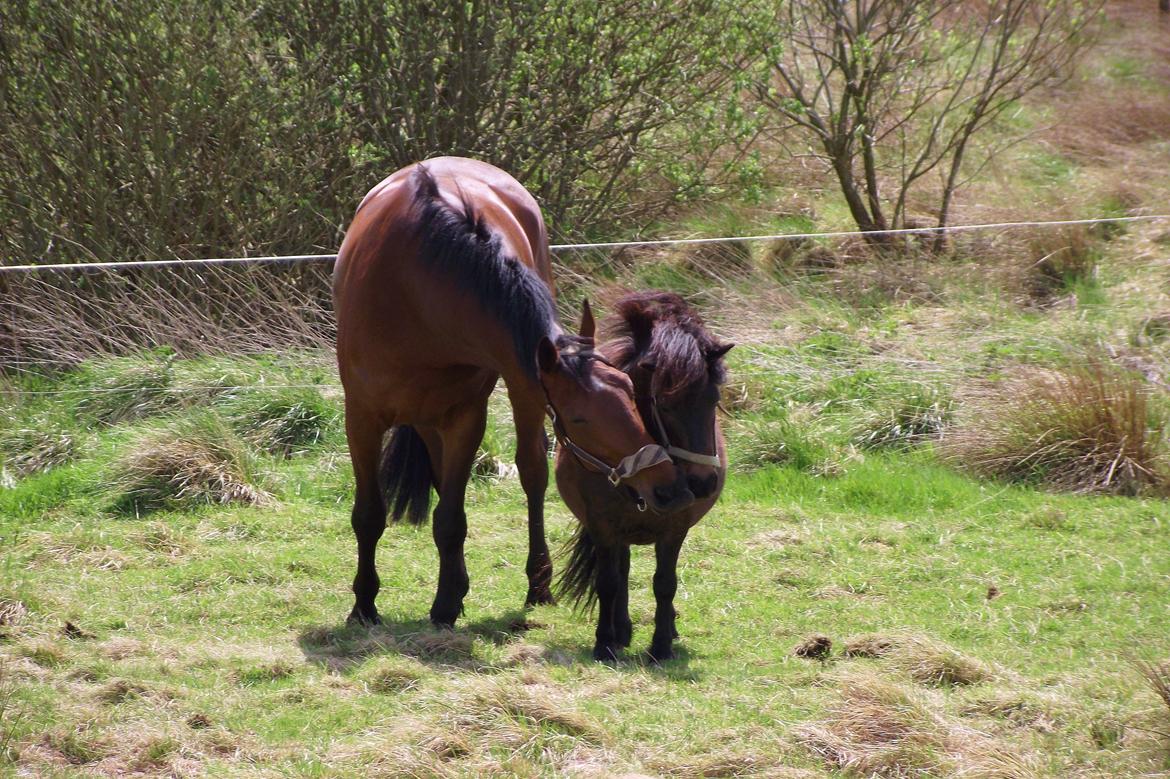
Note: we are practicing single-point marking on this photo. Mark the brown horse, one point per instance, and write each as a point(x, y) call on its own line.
point(677, 369)
point(442, 286)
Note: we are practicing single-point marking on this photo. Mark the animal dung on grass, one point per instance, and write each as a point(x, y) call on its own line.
point(815, 647)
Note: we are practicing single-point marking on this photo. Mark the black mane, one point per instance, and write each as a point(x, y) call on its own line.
point(663, 328)
point(461, 245)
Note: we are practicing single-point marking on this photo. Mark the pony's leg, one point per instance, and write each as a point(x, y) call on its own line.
point(364, 434)
point(665, 586)
point(460, 438)
point(609, 585)
point(622, 624)
point(532, 463)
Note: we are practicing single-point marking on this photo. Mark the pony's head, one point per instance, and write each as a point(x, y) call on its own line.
point(677, 370)
point(596, 418)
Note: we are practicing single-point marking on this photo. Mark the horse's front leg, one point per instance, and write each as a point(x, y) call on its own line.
point(532, 463)
point(608, 584)
point(665, 586)
point(460, 437)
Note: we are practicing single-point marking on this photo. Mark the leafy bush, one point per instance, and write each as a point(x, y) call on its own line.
point(1086, 429)
point(137, 129)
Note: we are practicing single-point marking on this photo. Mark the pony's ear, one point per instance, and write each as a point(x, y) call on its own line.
point(588, 326)
point(547, 355)
point(718, 352)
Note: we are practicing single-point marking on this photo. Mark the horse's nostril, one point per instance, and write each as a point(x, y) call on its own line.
point(664, 495)
point(702, 487)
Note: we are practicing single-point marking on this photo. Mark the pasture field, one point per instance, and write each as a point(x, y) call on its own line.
point(978, 627)
point(915, 479)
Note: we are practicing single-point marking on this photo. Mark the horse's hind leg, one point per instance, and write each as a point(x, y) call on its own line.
point(364, 433)
point(460, 439)
point(532, 463)
point(622, 624)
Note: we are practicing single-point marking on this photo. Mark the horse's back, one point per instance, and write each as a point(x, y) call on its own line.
point(387, 214)
point(414, 339)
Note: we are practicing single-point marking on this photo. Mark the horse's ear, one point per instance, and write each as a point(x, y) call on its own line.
point(588, 326)
point(547, 355)
point(718, 352)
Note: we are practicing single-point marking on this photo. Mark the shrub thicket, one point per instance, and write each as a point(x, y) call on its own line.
point(193, 128)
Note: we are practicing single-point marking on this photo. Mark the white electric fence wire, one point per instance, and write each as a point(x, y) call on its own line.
point(296, 258)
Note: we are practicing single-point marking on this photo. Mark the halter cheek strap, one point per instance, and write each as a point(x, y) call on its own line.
point(682, 454)
point(646, 457)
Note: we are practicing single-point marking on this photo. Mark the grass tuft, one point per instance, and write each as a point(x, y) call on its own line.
point(1057, 258)
point(918, 417)
point(29, 450)
point(879, 728)
point(285, 422)
point(198, 462)
point(1157, 676)
point(1087, 429)
point(126, 390)
point(759, 443)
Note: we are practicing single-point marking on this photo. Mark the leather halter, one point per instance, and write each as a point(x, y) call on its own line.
point(712, 460)
point(646, 457)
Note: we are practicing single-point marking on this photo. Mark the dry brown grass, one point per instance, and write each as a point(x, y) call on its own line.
point(1157, 676)
point(1054, 258)
point(228, 309)
point(508, 726)
point(198, 463)
point(1086, 429)
point(926, 660)
point(876, 727)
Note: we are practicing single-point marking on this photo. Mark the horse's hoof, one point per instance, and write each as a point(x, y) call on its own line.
point(605, 653)
point(658, 654)
point(365, 619)
point(539, 598)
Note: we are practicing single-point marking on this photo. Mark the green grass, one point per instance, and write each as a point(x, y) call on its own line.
point(214, 638)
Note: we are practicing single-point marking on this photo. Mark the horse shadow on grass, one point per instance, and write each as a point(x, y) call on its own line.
point(344, 647)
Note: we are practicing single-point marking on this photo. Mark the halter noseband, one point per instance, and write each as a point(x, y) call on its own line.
point(712, 460)
point(646, 457)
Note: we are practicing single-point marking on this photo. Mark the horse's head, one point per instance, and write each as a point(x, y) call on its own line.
point(595, 417)
point(677, 370)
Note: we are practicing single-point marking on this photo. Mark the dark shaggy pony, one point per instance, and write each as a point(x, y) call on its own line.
point(676, 367)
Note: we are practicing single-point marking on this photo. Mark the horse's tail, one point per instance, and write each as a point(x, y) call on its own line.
point(406, 475)
point(578, 577)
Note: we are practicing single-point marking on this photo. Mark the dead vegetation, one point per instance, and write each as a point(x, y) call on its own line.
point(194, 463)
point(491, 726)
point(1084, 429)
point(926, 660)
point(877, 727)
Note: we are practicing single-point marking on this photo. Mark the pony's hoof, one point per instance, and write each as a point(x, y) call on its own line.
point(659, 654)
point(606, 653)
point(363, 618)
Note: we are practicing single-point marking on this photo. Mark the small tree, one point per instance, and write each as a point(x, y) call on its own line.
point(891, 90)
